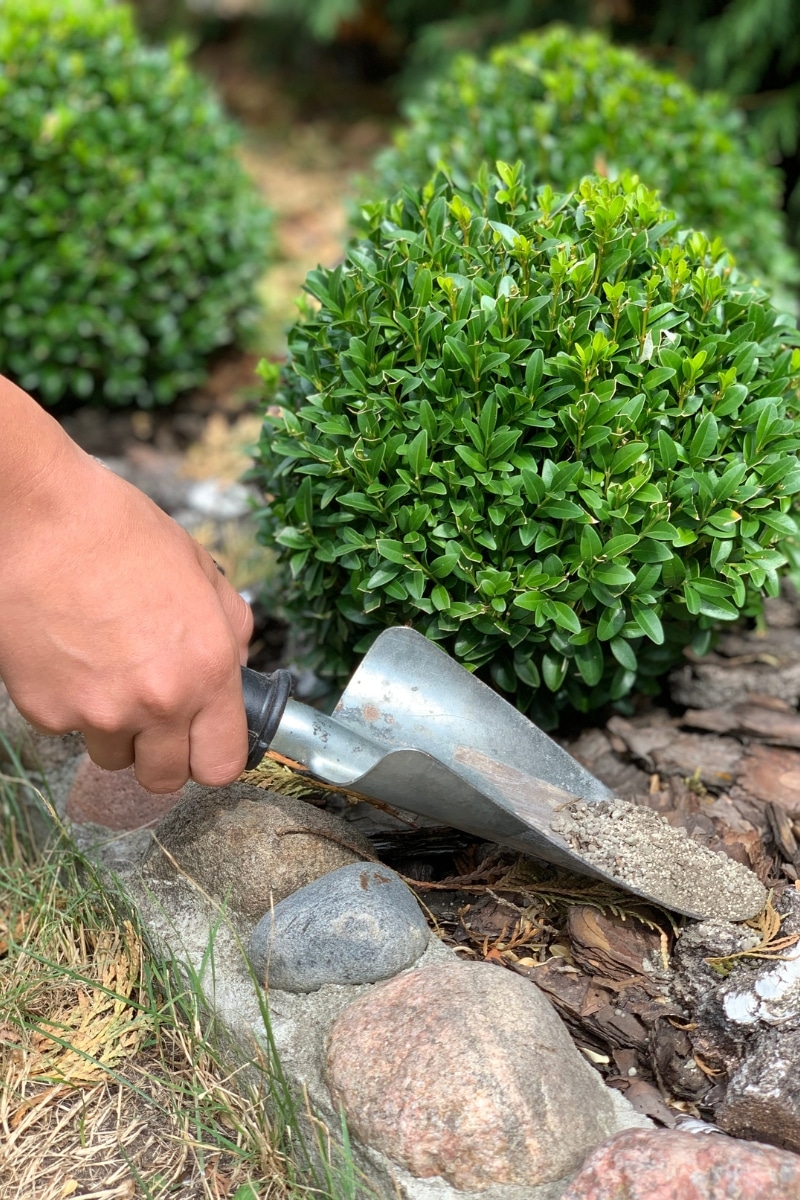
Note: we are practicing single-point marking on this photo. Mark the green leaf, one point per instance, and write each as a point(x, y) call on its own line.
point(613, 575)
point(719, 609)
point(440, 598)
point(624, 653)
point(610, 623)
point(530, 601)
point(417, 456)
point(620, 544)
point(564, 510)
point(667, 450)
point(591, 546)
point(443, 565)
point(533, 371)
point(475, 461)
point(554, 671)
point(379, 578)
point(589, 661)
point(393, 550)
point(527, 672)
point(704, 442)
point(359, 502)
point(649, 622)
point(649, 551)
point(293, 538)
point(626, 456)
point(563, 615)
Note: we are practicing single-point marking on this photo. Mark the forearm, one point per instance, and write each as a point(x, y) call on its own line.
point(33, 451)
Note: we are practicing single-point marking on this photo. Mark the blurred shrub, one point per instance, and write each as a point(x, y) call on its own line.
point(130, 237)
point(568, 103)
point(550, 432)
point(751, 48)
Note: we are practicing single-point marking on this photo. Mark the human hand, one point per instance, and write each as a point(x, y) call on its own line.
point(116, 623)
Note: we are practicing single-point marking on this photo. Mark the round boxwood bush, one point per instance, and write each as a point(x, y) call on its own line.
point(130, 237)
point(568, 104)
point(552, 433)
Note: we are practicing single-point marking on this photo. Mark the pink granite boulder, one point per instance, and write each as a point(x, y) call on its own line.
point(114, 799)
point(464, 1071)
point(663, 1164)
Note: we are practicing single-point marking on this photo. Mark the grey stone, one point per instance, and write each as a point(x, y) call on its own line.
point(357, 924)
point(186, 928)
point(464, 1071)
point(248, 847)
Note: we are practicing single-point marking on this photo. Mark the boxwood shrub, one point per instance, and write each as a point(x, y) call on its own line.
point(553, 433)
point(130, 237)
point(568, 103)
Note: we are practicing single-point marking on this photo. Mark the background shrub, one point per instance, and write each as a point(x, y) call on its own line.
point(568, 103)
point(552, 433)
point(130, 238)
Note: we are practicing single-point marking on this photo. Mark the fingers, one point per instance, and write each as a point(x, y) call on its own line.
point(111, 751)
point(218, 738)
point(161, 762)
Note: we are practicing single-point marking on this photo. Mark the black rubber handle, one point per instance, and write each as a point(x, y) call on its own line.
point(265, 699)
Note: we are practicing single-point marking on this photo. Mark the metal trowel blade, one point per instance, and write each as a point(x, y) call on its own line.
point(416, 730)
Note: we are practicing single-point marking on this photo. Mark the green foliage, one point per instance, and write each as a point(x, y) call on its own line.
point(130, 237)
point(745, 47)
point(568, 103)
point(550, 432)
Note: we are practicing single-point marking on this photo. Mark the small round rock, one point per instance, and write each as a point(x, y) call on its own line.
point(357, 924)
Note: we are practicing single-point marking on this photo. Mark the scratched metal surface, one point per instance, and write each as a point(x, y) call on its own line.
point(416, 730)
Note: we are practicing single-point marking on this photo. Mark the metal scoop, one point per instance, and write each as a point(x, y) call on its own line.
point(414, 729)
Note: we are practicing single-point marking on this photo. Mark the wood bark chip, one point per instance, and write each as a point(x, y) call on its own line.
point(661, 746)
point(776, 725)
point(606, 945)
point(772, 776)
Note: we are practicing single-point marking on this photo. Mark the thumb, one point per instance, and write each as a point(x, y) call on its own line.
point(239, 614)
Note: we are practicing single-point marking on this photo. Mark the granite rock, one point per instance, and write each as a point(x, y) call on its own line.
point(357, 924)
point(114, 799)
point(671, 1165)
point(464, 1071)
point(249, 847)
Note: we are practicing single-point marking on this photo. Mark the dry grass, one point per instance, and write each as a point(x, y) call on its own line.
point(109, 1083)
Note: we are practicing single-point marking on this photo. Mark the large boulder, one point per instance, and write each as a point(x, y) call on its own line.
point(668, 1164)
point(249, 847)
point(464, 1071)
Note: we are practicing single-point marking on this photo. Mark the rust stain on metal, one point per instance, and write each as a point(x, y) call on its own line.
point(371, 713)
point(533, 800)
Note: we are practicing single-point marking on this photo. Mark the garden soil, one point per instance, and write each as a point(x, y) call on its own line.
point(641, 849)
